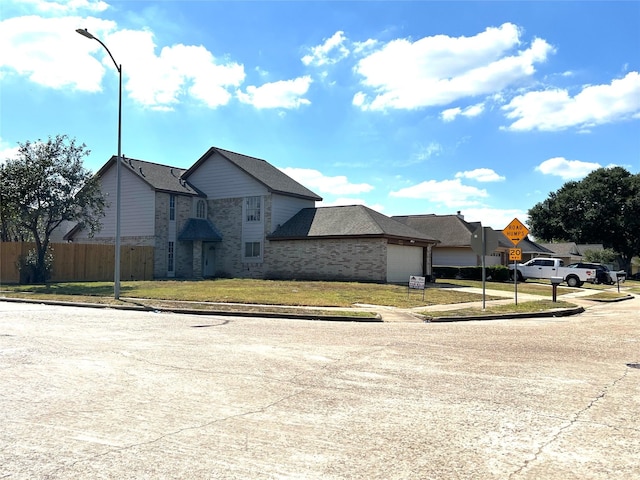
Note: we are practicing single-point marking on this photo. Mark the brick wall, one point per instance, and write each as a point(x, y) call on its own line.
point(226, 215)
point(328, 259)
point(183, 251)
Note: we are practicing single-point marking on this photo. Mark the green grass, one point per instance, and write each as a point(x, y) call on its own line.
point(277, 296)
point(249, 291)
point(524, 307)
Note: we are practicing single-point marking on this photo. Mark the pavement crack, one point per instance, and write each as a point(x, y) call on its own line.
point(576, 418)
point(179, 431)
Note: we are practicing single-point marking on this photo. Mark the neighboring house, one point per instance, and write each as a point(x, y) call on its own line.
point(235, 215)
point(530, 249)
point(454, 234)
point(571, 252)
point(348, 242)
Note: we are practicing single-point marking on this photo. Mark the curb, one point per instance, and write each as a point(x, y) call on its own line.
point(611, 300)
point(561, 312)
point(187, 311)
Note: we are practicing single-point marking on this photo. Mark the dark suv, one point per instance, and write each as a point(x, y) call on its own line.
point(602, 271)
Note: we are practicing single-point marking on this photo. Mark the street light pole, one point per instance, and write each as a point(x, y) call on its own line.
point(116, 275)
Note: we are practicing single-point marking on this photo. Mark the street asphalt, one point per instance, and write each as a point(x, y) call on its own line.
point(111, 394)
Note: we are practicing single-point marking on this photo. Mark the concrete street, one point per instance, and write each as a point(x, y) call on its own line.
point(100, 393)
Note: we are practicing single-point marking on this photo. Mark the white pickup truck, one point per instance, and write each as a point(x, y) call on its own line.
point(554, 267)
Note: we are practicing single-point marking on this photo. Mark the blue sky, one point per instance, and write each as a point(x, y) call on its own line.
point(406, 107)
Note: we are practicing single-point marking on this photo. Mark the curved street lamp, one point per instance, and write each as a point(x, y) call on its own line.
point(116, 275)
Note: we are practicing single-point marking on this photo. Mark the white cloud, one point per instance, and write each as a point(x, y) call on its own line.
point(178, 71)
point(495, 218)
point(451, 193)
point(481, 175)
point(566, 169)
point(331, 51)
point(7, 152)
point(316, 180)
point(472, 111)
point(281, 94)
point(424, 153)
point(49, 52)
point(440, 69)
point(450, 114)
point(555, 109)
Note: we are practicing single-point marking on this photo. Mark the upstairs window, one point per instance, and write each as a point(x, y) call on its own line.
point(253, 210)
point(172, 207)
point(201, 211)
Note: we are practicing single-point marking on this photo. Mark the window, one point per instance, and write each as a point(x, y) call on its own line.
point(253, 209)
point(170, 256)
point(172, 207)
point(252, 249)
point(200, 209)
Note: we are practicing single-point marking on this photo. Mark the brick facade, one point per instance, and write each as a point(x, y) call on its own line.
point(327, 259)
point(183, 251)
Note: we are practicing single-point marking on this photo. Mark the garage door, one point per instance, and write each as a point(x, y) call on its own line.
point(402, 262)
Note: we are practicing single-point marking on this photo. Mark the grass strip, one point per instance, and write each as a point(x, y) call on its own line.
point(524, 307)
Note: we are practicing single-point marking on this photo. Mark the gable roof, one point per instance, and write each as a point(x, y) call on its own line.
point(163, 178)
point(345, 221)
point(275, 180)
point(451, 230)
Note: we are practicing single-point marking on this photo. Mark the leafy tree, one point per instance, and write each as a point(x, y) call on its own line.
point(44, 186)
point(604, 207)
point(600, 256)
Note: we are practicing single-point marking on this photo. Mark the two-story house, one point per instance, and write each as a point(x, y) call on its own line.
point(234, 215)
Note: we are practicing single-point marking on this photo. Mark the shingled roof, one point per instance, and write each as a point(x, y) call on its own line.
point(528, 246)
point(162, 178)
point(262, 171)
point(345, 221)
point(451, 230)
point(200, 229)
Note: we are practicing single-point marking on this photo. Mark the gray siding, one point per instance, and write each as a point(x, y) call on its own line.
point(285, 207)
point(218, 178)
point(137, 209)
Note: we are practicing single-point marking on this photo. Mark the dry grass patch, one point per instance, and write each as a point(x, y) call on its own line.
point(250, 292)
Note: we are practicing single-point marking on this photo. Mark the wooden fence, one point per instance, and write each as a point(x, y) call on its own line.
point(80, 262)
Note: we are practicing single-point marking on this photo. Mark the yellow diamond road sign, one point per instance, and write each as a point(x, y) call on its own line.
point(515, 231)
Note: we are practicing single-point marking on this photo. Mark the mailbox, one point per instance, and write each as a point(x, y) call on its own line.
point(555, 281)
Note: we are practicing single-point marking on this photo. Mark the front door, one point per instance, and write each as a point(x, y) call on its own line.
point(208, 259)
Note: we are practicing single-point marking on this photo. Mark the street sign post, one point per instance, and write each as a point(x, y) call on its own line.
point(515, 232)
point(484, 240)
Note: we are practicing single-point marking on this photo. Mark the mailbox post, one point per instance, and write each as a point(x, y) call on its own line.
point(555, 281)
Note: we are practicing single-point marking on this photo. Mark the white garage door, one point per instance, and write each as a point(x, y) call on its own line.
point(402, 262)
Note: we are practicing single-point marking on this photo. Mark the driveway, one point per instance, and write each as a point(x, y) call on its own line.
point(114, 394)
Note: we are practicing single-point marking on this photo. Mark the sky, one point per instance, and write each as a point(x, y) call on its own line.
point(407, 107)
